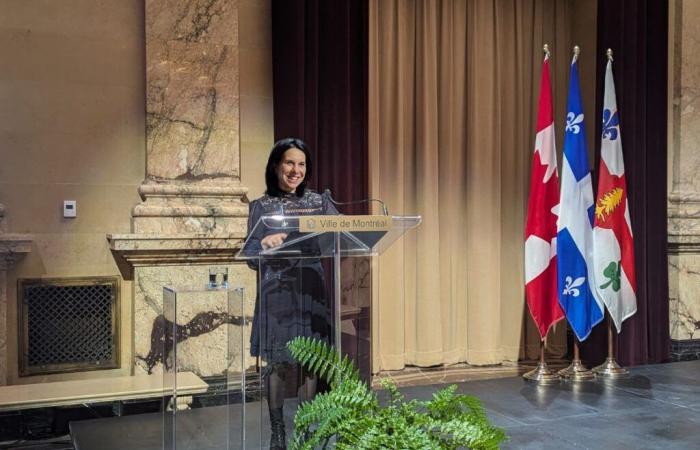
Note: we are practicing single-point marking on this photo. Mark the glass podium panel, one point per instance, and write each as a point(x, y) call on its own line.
point(206, 331)
point(295, 298)
point(299, 244)
point(315, 284)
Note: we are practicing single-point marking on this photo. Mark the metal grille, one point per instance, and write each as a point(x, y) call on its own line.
point(68, 325)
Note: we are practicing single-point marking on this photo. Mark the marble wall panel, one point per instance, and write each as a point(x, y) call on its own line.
point(3, 324)
point(192, 126)
point(684, 164)
point(684, 295)
point(257, 133)
point(203, 316)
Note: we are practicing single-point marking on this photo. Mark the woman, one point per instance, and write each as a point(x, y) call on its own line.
point(291, 297)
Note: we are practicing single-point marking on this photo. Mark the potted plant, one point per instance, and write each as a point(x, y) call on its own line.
point(350, 416)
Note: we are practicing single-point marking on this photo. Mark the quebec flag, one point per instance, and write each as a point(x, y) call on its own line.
point(575, 269)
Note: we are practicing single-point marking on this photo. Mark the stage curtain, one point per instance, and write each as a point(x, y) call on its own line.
point(637, 31)
point(452, 101)
point(319, 51)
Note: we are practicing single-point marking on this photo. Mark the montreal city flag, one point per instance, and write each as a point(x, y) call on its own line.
point(577, 294)
point(613, 248)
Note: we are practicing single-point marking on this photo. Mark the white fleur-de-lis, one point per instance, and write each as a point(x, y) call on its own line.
point(571, 122)
point(571, 285)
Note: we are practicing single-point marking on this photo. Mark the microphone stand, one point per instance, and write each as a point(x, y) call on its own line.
point(385, 211)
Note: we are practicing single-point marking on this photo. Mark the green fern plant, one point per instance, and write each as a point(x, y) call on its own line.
point(349, 416)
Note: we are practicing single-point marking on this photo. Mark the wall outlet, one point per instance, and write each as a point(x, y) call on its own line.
point(70, 208)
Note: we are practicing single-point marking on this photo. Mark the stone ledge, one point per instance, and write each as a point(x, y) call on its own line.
point(183, 210)
point(181, 191)
point(683, 197)
point(685, 350)
point(14, 246)
point(137, 250)
point(683, 243)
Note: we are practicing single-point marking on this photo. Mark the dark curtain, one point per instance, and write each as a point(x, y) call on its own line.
point(320, 75)
point(637, 31)
point(319, 51)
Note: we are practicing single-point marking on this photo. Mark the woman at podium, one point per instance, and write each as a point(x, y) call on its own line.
point(291, 292)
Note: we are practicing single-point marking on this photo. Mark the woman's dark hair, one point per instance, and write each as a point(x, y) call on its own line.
point(276, 154)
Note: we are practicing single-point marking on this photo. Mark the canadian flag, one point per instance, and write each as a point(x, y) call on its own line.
point(613, 245)
point(541, 226)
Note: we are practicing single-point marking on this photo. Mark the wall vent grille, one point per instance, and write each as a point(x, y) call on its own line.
point(68, 325)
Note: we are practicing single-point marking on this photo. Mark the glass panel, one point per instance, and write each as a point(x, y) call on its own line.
point(315, 245)
point(300, 293)
point(211, 322)
point(169, 378)
point(294, 299)
point(241, 432)
point(400, 225)
point(355, 312)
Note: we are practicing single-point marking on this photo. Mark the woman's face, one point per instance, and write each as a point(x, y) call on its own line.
point(291, 170)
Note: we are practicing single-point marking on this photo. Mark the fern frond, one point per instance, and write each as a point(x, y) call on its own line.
point(322, 359)
point(349, 416)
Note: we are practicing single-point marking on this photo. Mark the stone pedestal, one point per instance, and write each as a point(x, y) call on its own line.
point(12, 248)
point(193, 214)
point(182, 261)
point(684, 196)
point(684, 275)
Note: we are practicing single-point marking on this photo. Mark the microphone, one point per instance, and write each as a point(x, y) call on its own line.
point(328, 193)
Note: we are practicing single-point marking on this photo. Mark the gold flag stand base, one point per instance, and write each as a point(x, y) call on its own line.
point(542, 375)
point(576, 372)
point(611, 369)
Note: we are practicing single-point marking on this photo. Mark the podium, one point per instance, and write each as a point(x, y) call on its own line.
point(299, 291)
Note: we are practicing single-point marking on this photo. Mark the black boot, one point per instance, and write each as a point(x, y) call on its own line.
point(278, 440)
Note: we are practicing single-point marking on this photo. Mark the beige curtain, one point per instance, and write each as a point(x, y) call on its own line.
point(452, 102)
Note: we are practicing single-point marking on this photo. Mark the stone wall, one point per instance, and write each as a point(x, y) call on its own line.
point(72, 127)
point(75, 89)
point(684, 179)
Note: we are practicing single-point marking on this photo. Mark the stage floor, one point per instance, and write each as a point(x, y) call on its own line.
point(658, 406)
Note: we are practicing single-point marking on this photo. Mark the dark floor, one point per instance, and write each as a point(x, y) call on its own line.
point(657, 407)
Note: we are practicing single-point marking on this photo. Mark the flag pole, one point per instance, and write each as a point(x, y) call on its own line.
point(576, 371)
point(542, 374)
point(610, 368)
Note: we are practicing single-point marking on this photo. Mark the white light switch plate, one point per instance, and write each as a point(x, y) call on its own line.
point(70, 208)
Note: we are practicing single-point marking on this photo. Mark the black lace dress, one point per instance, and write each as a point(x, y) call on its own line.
point(292, 299)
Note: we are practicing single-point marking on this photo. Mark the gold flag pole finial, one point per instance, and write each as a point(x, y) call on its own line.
point(545, 49)
point(609, 54)
point(577, 51)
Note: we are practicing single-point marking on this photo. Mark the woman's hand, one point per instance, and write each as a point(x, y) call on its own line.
point(273, 240)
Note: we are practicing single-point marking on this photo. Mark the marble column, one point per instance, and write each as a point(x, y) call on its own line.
point(3, 308)
point(12, 248)
point(193, 214)
point(684, 166)
point(192, 119)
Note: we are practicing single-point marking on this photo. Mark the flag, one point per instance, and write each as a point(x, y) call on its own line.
point(541, 226)
point(577, 296)
point(613, 249)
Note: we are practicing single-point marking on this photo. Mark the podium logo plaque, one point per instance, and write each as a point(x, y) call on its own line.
point(308, 224)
